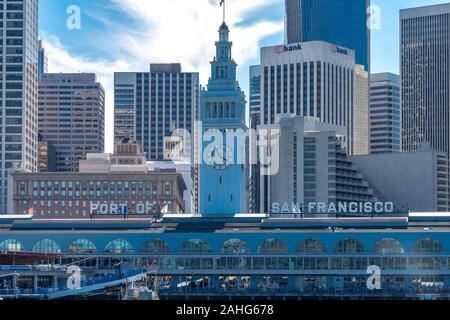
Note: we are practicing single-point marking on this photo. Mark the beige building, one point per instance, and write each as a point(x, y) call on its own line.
point(361, 113)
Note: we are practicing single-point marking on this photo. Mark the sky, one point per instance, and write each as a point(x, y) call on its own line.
point(126, 35)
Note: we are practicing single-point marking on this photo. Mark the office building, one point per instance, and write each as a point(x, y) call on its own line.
point(223, 107)
point(255, 121)
point(150, 106)
point(311, 79)
point(361, 112)
point(416, 180)
point(385, 113)
point(19, 84)
point(72, 116)
point(46, 157)
point(342, 22)
point(43, 61)
point(425, 61)
point(107, 185)
point(313, 167)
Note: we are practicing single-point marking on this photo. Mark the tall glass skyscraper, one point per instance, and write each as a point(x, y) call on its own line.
point(19, 87)
point(342, 22)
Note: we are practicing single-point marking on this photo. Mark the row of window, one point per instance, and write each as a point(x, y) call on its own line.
point(232, 246)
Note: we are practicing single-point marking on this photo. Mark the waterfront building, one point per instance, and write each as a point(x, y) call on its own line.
point(19, 83)
point(385, 113)
point(234, 258)
point(343, 22)
point(72, 116)
point(107, 185)
point(223, 169)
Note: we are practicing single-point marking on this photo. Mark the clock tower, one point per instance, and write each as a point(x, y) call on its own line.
point(222, 172)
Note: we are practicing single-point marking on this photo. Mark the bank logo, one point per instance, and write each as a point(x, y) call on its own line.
point(283, 49)
point(336, 49)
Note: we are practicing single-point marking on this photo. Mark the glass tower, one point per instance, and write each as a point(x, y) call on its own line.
point(342, 22)
point(19, 86)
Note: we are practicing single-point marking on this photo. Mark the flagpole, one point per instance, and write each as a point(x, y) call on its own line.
point(224, 11)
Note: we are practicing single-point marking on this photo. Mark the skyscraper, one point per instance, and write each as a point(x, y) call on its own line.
point(72, 116)
point(255, 121)
point(222, 177)
point(43, 61)
point(425, 81)
point(361, 112)
point(149, 106)
point(311, 79)
point(19, 87)
point(342, 22)
point(385, 109)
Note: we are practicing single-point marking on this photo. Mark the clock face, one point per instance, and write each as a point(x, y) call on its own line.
point(221, 157)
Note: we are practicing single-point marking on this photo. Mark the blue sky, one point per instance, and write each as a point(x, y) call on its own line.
point(126, 35)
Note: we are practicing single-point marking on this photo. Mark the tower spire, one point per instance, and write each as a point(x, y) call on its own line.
point(222, 4)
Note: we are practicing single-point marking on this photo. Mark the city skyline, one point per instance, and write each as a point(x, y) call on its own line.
point(255, 24)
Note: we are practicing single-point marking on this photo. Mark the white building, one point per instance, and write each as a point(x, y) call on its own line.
point(311, 79)
point(185, 169)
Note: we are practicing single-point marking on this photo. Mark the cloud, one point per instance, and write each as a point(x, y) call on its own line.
point(155, 31)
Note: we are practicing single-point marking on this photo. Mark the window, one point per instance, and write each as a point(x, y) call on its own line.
point(46, 246)
point(235, 246)
point(349, 246)
point(311, 246)
point(195, 246)
point(155, 247)
point(388, 246)
point(119, 246)
point(82, 246)
point(272, 246)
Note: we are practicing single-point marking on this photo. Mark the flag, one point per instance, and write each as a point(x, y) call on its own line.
point(222, 2)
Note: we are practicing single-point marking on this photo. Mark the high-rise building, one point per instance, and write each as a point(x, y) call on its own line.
point(385, 113)
point(149, 106)
point(222, 171)
point(425, 81)
point(46, 157)
point(313, 167)
point(72, 116)
point(343, 22)
point(43, 61)
point(19, 88)
point(255, 121)
point(361, 112)
point(312, 79)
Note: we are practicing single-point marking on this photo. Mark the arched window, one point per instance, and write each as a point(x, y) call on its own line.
point(82, 246)
point(388, 246)
point(349, 246)
point(119, 246)
point(11, 245)
point(235, 246)
point(46, 246)
point(272, 246)
point(427, 246)
point(311, 246)
point(155, 246)
point(195, 246)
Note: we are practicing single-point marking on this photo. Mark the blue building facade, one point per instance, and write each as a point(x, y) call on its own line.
point(222, 172)
point(342, 22)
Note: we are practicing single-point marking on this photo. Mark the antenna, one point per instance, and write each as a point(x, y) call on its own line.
point(222, 4)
